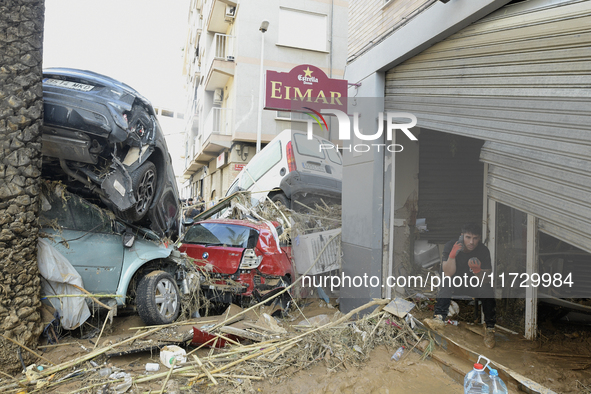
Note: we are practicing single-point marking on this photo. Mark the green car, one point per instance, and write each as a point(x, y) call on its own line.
point(114, 257)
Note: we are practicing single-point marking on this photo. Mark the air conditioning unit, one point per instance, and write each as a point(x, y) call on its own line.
point(218, 96)
point(230, 13)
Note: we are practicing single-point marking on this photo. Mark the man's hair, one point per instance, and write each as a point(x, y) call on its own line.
point(190, 199)
point(472, 228)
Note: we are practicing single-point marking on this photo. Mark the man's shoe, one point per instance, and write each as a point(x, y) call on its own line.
point(436, 323)
point(489, 337)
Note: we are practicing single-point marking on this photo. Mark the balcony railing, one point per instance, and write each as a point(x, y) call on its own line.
point(218, 121)
point(222, 48)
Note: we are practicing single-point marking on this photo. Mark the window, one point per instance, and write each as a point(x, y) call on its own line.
point(72, 212)
point(302, 29)
point(293, 116)
point(88, 217)
point(308, 147)
point(54, 210)
point(222, 234)
point(334, 156)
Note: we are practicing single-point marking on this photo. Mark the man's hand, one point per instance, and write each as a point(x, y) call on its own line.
point(474, 265)
point(458, 247)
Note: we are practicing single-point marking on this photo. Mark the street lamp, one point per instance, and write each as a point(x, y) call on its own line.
point(263, 29)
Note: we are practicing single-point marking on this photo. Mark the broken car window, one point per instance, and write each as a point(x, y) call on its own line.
point(221, 234)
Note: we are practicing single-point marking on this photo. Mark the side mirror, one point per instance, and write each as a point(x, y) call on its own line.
point(128, 239)
point(188, 222)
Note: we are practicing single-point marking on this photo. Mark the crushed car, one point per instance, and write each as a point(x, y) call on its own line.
point(134, 264)
point(241, 260)
point(102, 139)
point(293, 168)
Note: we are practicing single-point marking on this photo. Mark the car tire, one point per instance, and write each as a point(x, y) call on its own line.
point(143, 181)
point(281, 198)
point(158, 298)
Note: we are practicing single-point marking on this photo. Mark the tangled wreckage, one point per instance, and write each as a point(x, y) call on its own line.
point(102, 139)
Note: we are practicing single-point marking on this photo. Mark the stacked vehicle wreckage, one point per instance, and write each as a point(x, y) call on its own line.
point(110, 205)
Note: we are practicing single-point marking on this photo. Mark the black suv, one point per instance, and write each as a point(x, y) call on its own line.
point(102, 138)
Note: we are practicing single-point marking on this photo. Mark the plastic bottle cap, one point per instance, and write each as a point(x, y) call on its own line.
point(478, 366)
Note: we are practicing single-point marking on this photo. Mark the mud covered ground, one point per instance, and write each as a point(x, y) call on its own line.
point(560, 360)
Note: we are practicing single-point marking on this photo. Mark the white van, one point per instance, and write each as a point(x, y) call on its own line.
point(291, 167)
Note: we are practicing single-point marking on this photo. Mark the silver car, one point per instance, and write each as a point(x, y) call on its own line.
point(114, 257)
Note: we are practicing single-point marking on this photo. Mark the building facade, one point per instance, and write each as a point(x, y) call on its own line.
point(222, 66)
point(498, 90)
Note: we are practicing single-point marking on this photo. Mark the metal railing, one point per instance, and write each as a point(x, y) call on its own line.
point(222, 48)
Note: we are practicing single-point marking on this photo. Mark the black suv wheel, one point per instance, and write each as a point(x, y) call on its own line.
point(143, 182)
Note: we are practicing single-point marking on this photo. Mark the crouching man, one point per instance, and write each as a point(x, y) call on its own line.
point(470, 257)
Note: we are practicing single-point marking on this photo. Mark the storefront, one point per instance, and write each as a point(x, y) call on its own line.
point(515, 83)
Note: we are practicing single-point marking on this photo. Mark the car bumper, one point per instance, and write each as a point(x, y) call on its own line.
point(297, 183)
point(92, 116)
point(248, 285)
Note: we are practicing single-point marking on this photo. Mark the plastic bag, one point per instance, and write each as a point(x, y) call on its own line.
point(59, 274)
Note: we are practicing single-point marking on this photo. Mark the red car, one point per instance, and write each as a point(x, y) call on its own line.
point(244, 259)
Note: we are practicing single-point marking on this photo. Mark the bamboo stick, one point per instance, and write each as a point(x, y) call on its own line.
point(168, 376)
point(94, 385)
point(93, 354)
point(27, 349)
point(183, 323)
point(223, 375)
point(102, 329)
point(257, 354)
point(82, 289)
point(215, 382)
point(56, 345)
point(200, 346)
point(80, 295)
point(293, 340)
point(9, 376)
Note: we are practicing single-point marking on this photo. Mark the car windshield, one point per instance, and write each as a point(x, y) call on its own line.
point(308, 147)
point(222, 234)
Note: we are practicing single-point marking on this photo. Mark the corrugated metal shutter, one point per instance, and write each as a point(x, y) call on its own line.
point(450, 184)
point(519, 79)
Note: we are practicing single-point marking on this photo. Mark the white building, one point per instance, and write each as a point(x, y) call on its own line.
point(222, 67)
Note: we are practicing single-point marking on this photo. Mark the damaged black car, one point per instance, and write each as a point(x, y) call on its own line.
point(102, 139)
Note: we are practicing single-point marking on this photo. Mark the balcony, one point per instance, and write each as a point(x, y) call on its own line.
point(218, 123)
point(220, 14)
point(217, 136)
point(219, 62)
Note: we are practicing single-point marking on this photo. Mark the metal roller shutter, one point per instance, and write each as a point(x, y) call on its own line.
point(519, 79)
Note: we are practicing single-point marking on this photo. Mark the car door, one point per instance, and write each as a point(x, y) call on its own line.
point(84, 235)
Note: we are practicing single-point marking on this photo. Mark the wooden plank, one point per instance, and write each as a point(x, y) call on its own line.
point(244, 333)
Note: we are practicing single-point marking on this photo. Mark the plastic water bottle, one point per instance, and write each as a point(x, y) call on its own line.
point(396, 356)
point(497, 386)
point(477, 380)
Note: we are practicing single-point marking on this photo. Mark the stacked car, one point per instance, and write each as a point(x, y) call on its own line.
point(102, 141)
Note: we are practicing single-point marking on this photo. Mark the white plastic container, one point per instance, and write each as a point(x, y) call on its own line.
point(477, 380)
point(497, 386)
point(152, 367)
point(170, 353)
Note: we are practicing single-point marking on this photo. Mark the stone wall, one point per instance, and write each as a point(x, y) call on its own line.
point(21, 107)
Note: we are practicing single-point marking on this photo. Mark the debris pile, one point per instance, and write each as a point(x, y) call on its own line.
point(256, 347)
